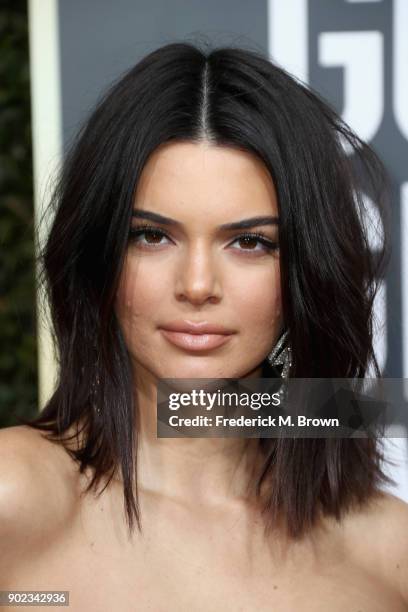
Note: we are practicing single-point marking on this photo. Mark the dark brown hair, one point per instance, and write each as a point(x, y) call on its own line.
point(234, 98)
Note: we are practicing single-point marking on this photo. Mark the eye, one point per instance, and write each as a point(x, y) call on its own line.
point(149, 236)
point(153, 236)
point(247, 241)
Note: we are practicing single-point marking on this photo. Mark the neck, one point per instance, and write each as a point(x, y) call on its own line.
point(206, 470)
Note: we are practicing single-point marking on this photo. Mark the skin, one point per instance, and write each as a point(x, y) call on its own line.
point(202, 545)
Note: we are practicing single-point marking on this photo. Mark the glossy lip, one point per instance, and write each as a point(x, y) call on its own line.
point(196, 336)
point(196, 327)
point(196, 341)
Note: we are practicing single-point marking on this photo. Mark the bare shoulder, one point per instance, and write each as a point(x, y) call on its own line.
point(36, 484)
point(378, 538)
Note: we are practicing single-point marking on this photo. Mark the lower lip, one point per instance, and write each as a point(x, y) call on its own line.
point(195, 342)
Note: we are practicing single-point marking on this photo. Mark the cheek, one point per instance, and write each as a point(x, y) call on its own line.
point(139, 295)
point(258, 308)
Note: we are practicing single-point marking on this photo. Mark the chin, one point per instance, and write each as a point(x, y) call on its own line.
point(197, 370)
point(197, 373)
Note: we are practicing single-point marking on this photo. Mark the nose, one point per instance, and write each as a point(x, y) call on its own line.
point(198, 279)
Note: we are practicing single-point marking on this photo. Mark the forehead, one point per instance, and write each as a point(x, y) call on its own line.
point(184, 179)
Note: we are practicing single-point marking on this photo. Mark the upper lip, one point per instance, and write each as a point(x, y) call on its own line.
point(199, 327)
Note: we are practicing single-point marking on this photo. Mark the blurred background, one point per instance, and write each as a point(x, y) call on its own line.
point(57, 57)
point(18, 335)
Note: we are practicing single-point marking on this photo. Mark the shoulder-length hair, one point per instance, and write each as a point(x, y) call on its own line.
point(324, 177)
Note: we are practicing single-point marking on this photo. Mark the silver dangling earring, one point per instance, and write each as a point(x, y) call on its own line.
point(281, 354)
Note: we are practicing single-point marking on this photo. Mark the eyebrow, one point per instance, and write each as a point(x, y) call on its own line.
point(236, 225)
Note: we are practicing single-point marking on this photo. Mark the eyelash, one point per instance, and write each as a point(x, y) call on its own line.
point(134, 233)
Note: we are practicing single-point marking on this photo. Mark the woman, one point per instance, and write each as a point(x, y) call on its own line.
point(206, 189)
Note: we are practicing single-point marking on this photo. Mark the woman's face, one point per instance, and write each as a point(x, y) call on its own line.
point(191, 269)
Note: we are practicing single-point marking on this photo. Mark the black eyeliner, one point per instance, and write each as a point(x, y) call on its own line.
point(144, 228)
